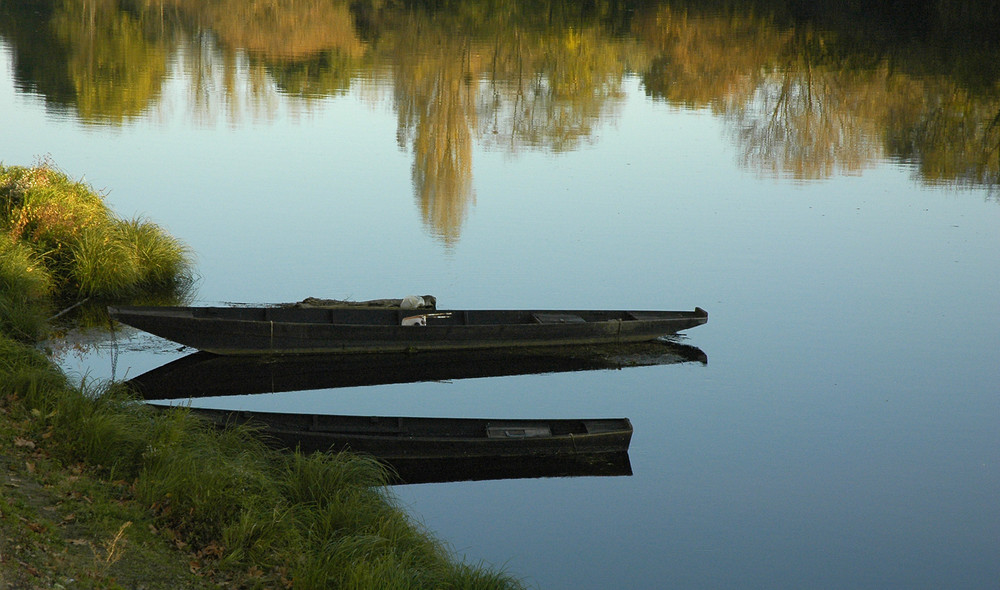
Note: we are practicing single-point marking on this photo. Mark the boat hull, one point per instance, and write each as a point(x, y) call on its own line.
point(411, 438)
point(250, 331)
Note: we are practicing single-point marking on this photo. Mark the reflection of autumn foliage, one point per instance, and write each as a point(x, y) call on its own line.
point(275, 29)
point(800, 104)
point(105, 43)
point(950, 135)
point(551, 89)
point(799, 100)
point(700, 60)
point(506, 87)
point(812, 124)
point(436, 108)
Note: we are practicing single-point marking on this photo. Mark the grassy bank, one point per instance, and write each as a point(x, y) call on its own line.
point(99, 491)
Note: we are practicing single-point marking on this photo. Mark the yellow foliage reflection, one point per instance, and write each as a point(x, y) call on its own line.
point(799, 100)
point(435, 102)
point(800, 104)
point(107, 44)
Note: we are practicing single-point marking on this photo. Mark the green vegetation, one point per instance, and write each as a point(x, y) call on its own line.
point(101, 491)
point(60, 239)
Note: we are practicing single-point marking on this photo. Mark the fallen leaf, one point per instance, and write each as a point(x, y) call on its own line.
point(23, 442)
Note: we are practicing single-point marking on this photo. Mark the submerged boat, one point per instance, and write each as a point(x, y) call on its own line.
point(397, 438)
point(285, 330)
point(203, 374)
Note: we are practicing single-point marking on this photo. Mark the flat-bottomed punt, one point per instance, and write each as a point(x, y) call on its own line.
point(284, 330)
point(399, 437)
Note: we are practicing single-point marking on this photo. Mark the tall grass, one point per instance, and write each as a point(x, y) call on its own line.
point(102, 265)
point(318, 521)
point(161, 259)
point(25, 286)
point(87, 251)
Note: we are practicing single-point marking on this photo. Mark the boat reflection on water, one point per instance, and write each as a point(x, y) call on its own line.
point(207, 375)
point(415, 471)
point(430, 450)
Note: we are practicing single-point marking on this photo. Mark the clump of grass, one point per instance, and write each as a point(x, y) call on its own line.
point(162, 260)
point(24, 370)
point(199, 480)
point(87, 251)
point(25, 285)
point(102, 264)
point(41, 205)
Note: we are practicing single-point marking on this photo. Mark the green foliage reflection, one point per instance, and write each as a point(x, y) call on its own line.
point(808, 89)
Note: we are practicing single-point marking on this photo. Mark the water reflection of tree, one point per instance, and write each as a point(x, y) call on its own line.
point(459, 78)
point(69, 50)
point(238, 57)
point(550, 89)
point(805, 94)
point(809, 103)
point(435, 103)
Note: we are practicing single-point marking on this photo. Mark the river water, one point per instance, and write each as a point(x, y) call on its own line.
point(827, 191)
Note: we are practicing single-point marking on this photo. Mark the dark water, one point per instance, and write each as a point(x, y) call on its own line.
point(821, 179)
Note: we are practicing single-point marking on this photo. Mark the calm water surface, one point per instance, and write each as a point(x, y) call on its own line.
point(827, 192)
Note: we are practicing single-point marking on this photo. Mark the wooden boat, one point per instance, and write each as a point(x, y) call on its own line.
point(203, 374)
point(284, 330)
point(399, 438)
